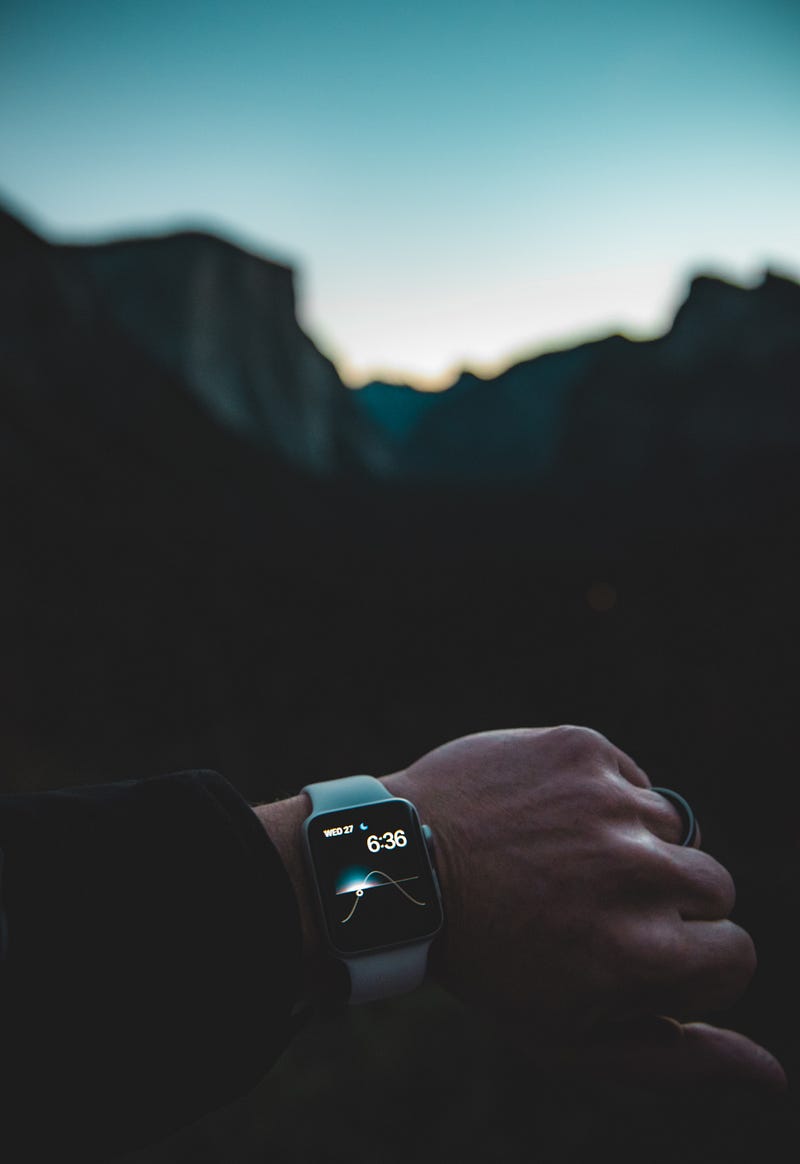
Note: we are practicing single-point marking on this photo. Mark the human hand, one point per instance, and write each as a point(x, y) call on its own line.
point(573, 912)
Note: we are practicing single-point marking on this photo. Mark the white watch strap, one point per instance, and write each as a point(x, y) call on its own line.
point(388, 972)
point(329, 795)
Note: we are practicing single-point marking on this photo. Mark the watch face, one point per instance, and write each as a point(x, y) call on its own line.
point(374, 876)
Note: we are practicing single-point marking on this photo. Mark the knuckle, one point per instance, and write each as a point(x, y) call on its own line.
point(728, 988)
point(579, 741)
point(748, 959)
point(612, 800)
point(727, 889)
point(653, 950)
point(713, 880)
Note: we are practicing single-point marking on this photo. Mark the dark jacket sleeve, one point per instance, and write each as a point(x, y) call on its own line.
point(151, 957)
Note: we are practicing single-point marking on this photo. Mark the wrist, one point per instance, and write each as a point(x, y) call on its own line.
point(283, 823)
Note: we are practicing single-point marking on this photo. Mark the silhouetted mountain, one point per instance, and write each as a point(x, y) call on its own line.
point(395, 409)
point(708, 395)
point(715, 388)
point(224, 321)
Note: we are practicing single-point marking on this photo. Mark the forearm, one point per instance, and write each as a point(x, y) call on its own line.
point(283, 822)
point(159, 910)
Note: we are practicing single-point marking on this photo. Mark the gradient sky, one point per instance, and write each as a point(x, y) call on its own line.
point(458, 183)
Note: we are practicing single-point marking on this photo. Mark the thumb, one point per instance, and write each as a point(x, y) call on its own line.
point(662, 1054)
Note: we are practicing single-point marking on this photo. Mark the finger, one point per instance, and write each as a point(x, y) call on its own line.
point(660, 1054)
point(630, 769)
point(663, 817)
point(697, 885)
point(695, 967)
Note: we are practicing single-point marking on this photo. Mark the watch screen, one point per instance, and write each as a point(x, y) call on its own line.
point(374, 876)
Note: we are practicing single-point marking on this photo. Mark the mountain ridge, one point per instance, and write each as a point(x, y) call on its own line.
point(222, 321)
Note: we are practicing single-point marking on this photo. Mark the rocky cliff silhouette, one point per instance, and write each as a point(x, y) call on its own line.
point(689, 411)
point(712, 395)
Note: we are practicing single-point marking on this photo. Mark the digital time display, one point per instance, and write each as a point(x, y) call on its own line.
point(374, 877)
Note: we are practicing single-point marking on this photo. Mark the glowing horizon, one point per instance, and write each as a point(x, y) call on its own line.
point(648, 317)
point(458, 187)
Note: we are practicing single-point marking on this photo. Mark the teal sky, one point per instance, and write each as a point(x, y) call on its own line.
point(458, 183)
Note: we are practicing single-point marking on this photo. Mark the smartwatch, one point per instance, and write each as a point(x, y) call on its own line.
point(376, 889)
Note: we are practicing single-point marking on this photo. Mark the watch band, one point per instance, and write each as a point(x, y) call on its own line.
point(329, 795)
point(386, 972)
